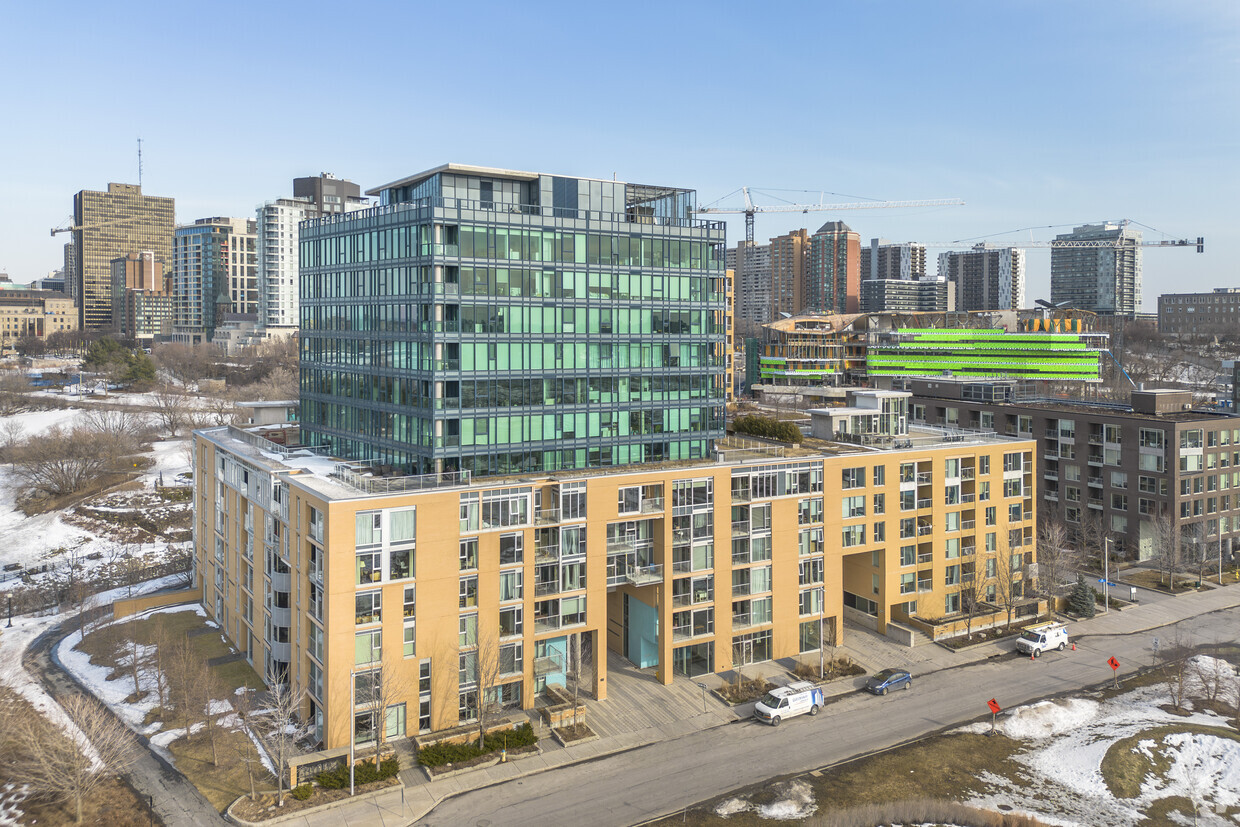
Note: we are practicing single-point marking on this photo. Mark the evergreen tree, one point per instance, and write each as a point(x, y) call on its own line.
point(1081, 600)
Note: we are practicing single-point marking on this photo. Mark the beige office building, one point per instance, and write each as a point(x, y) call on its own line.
point(112, 224)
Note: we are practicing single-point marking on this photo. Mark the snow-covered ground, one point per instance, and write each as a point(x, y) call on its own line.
point(1067, 740)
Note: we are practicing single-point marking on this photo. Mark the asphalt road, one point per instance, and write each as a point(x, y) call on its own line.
point(660, 779)
point(177, 802)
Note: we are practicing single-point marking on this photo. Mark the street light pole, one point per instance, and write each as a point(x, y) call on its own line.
point(1106, 575)
point(352, 725)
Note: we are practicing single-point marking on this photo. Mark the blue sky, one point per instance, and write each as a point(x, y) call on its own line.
point(1034, 113)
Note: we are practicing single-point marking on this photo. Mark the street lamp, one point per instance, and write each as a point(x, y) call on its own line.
point(703, 687)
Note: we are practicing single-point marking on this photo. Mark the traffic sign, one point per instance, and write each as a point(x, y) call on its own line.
point(1113, 663)
point(1108, 583)
point(994, 706)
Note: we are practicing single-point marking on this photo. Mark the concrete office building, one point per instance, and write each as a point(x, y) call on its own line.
point(888, 260)
point(1200, 314)
point(214, 272)
point(277, 249)
point(751, 266)
point(834, 274)
point(789, 263)
point(494, 321)
point(1114, 470)
point(142, 302)
point(906, 296)
point(986, 277)
point(1105, 280)
point(113, 223)
point(324, 573)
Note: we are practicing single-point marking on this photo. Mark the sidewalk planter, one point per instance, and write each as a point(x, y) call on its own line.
point(590, 735)
point(449, 771)
point(292, 809)
point(560, 711)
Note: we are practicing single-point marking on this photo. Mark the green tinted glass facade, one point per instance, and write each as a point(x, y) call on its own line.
point(498, 322)
point(985, 353)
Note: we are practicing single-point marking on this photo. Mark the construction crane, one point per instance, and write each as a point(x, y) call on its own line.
point(1081, 244)
point(750, 208)
point(73, 228)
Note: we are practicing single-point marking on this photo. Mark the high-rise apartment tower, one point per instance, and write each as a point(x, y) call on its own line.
point(1105, 280)
point(834, 278)
point(986, 277)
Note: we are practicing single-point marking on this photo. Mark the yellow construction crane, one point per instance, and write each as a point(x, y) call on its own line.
point(750, 208)
point(72, 228)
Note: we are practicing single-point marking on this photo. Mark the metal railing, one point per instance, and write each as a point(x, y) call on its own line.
point(645, 575)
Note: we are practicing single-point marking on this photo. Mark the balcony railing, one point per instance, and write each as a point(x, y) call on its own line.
point(547, 515)
point(908, 588)
point(682, 600)
point(967, 473)
point(967, 498)
point(740, 528)
point(546, 624)
point(652, 505)
point(546, 554)
point(923, 530)
point(924, 503)
point(925, 585)
point(925, 557)
point(968, 525)
point(547, 666)
point(924, 477)
point(645, 575)
point(546, 588)
point(682, 632)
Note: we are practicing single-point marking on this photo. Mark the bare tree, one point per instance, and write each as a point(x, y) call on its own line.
point(1009, 568)
point(186, 671)
point(489, 669)
point(159, 667)
point(1176, 673)
point(61, 462)
point(972, 598)
point(244, 748)
point(209, 687)
point(1168, 551)
point(575, 664)
point(187, 363)
point(126, 427)
point(377, 691)
point(283, 722)
point(14, 388)
point(1056, 559)
point(69, 767)
point(172, 408)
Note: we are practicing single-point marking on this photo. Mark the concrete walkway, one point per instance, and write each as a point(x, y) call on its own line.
point(678, 710)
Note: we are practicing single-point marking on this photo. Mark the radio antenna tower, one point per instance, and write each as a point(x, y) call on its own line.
point(139, 162)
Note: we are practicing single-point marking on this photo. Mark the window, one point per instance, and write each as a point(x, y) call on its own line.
point(880, 503)
point(511, 621)
point(1119, 502)
point(810, 540)
point(853, 478)
point(369, 531)
point(367, 647)
point(880, 475)
point(469, 592)
point(630, 500)
point(1119, 479)
point(410, 640)
point(468, 631)
point(880, 532)
point(908, 555)
point(369, 567)
point(811, 602)
point(369, 608)
point(983, 465)
point(991, 517)
point(510, 658)
point(810, 510)
point(469, 553)
point(511, 549)
point(853, 506)
point(1014, 513)
point(511, 585)
point(400, 564)
point(811, 571)
point(1012, 461)
point(401, 526)
point(1153, 462)
point(853, 535)
point(409, 602)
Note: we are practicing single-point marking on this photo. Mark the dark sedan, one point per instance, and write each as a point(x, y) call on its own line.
point(880, 682)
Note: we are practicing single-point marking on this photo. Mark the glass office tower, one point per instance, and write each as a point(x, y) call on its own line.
point(494, 321)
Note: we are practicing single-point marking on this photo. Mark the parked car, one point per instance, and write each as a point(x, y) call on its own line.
point(1038, 638)
point(787, 701)
point(882, 682)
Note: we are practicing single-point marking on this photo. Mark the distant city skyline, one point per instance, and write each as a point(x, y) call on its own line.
point(1055, 114)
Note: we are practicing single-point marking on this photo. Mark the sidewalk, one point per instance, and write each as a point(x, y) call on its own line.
point(404, 806)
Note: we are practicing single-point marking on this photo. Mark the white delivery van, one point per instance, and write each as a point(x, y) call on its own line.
point(1038, 638)
point(786, 701)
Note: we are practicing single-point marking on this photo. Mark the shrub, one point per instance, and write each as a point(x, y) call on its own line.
point(301, 792)
point(765, 426)
point(436, 755)
point(363, 773)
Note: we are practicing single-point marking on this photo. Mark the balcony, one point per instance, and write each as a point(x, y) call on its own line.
point(1095, 459)
point(924, 478)
point(645, 575)
point(740, 495)
point(925, 585)
point(680, 601)
point(968, 551)
point(1053, 496)
point(652, 505)
point(1095, 481)
point(546, 624)
point(923, 530)
point(924, 503)
point(1095, 439)
point(968, 525)
point(547, 515)
point(547, 588)
point(546, 554)
point(682, 633)
point(967, 498)
point(925, 557)
point(547, 666)
point(740, 528)
point(967, 473)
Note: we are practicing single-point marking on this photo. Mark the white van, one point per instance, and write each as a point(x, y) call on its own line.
point(787, 701)
point(1038, 638)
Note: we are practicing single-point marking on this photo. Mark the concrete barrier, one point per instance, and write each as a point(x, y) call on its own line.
point(136, 605)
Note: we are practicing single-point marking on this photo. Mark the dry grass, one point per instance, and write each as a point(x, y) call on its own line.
point(741, 689)
point(113, 804)
point(223, 784)
point(938, 770)
point(924, 811)
point(841, 667)
point(1157, 580)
